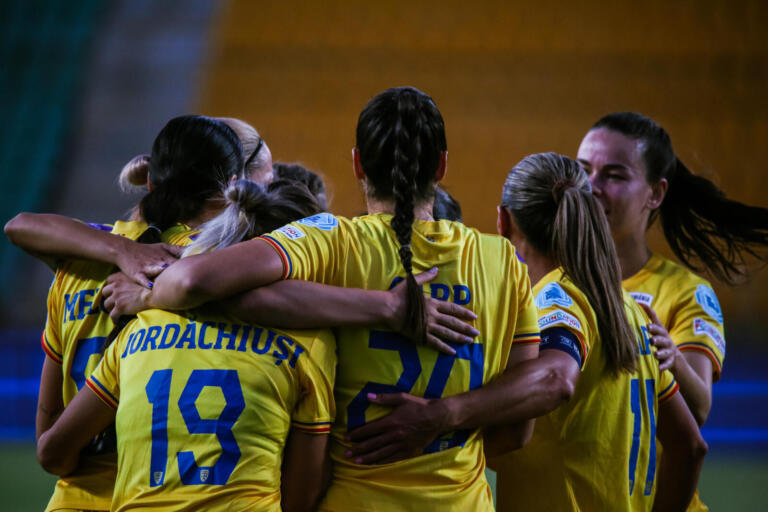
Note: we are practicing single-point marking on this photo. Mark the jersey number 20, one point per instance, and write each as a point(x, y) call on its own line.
point(158, 393)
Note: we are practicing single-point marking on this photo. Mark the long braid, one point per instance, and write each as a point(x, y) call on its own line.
point(406, 153)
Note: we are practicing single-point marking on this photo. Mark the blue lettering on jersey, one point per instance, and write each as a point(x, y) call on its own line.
point(324, 221)
point(552, 294)
point(263, 341)
point(707, 299)
point(78, 305)
point(457, 293)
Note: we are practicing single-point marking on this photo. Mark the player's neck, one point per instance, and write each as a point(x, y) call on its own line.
point(211, 209)
point(633, 253)
point(539, 264)
point(422, 211)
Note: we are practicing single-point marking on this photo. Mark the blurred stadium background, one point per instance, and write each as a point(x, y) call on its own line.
point(86, 85)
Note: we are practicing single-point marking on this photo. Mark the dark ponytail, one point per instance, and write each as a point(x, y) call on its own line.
point(401, 138)
point(193, 158)
point(699, 222)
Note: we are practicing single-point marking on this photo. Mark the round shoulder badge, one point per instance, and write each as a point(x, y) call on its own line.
point(707, 299)
point(324, 221)
point(552, 294)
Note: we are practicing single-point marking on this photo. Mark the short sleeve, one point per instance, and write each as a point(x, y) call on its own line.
point(697, 324)
point(315, 411)
point(526, 326)
point(311, 249)
point(104, 380)
point(667, 386)
point(557, 308)
point(51, 339)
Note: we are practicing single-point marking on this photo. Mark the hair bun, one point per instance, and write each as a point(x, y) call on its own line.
point(244, 194)
point(559, 188)
point(135, 174)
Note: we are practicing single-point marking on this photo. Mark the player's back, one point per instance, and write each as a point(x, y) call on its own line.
point(76, 329)
point(476, 270)
point(205, 406)
point(597, 451)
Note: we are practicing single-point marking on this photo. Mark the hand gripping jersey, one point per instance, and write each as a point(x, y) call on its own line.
point(598, 451)
point(690, 311)
point(75, 331)
point(478, 271)
point(685, 304)
point(204, 406)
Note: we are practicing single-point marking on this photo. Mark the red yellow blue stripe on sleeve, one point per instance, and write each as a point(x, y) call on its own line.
point(323, 427)
point(702, 347)
point(50, 352)
point(528, 337)
point(277, 246)
point(102, 392)
point(669, 392)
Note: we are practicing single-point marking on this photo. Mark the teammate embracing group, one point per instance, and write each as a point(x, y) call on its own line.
point(292, 359)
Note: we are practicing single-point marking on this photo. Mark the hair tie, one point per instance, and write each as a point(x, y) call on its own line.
point(155, 228)
point(559, 188)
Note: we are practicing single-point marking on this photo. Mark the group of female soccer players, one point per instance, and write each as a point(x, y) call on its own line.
point(197, 392)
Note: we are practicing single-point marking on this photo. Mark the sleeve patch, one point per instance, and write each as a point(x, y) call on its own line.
point(559, 338)
point(553, 294)
point(324, 221)
point(291, 232)
point(559, 317)
point(642, 298)
point(701, 326)
point(707, 299)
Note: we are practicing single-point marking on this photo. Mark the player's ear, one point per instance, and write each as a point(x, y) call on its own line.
point(357, 169)
point(503, 222)
point(442, 167)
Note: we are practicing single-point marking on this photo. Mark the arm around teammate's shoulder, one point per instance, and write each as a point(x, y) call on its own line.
point(216, 275)
point(682, 458)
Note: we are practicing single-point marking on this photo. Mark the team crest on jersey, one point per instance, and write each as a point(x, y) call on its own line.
point(701, 326)
point(324, 221)
point(642, 298)
point(291, 232)
point(204, 473)
point(707, 299)
point(559, 318)
point(553, 294)
point(158, 477)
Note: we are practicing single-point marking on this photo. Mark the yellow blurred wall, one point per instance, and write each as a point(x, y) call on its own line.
point(511, 78)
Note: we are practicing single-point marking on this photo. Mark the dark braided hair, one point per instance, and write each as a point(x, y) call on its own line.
point(401, 137)
point(699, 222)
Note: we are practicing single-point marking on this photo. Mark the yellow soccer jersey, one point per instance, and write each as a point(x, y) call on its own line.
point(688, 308)
point(75, 331)
point(685, 304)
point(598, 451)
point(204, 406)
point(478, 271)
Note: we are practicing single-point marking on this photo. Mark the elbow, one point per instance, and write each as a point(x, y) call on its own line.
point(699, 449)
point(560, 388)
point(14, 227)
point(50, 459)
point(701, 413)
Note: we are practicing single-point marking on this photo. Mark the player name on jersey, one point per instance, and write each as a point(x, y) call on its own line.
point(228, 337)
